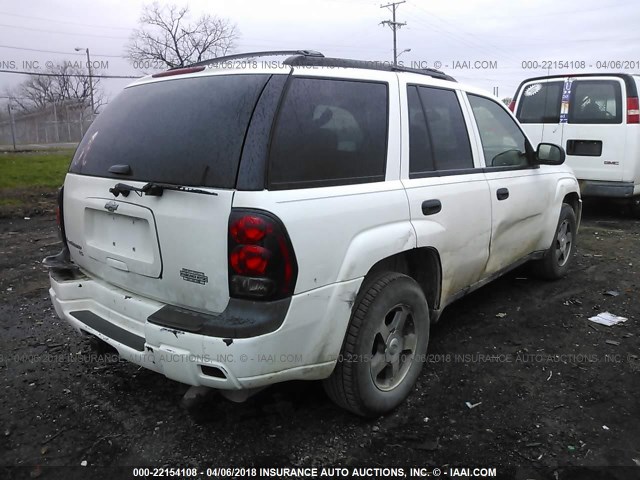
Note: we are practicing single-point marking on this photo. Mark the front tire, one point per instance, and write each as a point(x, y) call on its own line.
point(557, 259)
point(384, 347)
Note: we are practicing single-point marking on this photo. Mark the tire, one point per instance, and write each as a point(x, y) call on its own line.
point(384, 347)
point(557, 259)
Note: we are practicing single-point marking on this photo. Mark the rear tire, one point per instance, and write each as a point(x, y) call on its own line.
point(557, 259)
point(384, 347)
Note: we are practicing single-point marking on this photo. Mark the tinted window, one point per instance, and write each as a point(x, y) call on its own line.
point(595, 101)
point(448, 132)
point(420, 150)
point(188, 131)
point(540, 103)
point(329, 132)
point(503, 142)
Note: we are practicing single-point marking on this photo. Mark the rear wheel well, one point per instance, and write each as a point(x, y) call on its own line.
point(421, 264)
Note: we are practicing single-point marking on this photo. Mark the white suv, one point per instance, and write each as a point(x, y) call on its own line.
point(237, 227)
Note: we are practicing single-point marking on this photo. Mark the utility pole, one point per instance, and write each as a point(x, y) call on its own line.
point(394, 26)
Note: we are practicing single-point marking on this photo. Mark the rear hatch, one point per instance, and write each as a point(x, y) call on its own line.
point(183, 131)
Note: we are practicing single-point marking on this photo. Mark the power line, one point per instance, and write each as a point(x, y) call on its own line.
point(394, 26)
point(460, 36)
point(22, 72)
point(55, 51)
point(555, 13)
point(14, 96)
point(62, 33)
point(64, 21)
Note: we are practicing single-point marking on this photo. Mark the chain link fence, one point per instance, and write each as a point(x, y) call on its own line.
point(65, 122)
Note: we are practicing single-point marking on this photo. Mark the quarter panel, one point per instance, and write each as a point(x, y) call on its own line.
point(338, 233)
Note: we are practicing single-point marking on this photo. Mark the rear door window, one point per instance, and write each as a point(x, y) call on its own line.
point(329, 132)
point(448, 134)
point(595, 101)
point(186, 131)
point(540, 103)
point(420, 149)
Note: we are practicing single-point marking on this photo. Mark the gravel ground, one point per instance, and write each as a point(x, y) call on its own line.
point(549, 389)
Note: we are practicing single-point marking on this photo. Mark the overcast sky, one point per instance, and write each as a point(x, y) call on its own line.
point(505, 32)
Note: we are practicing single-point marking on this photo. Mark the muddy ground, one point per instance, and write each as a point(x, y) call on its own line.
point(552, 389)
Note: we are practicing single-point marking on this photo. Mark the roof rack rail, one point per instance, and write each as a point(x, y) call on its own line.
point(315, 61)
point(235, 56)
point(432, 72)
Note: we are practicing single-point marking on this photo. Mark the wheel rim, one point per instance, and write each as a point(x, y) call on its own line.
point(564, 242)
point(393, 349)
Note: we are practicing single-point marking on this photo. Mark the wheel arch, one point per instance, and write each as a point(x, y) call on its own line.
point(566, 191)
point(422, 265)
point(573, 199)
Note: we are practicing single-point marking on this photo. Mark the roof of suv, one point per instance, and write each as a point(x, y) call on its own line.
point(312, 58)
point(315, 63)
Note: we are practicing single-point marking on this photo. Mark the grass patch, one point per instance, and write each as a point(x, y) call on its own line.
point(37, 169)
point(29, 181)
point(10, 202)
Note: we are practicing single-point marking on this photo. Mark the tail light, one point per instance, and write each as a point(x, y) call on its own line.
point(633, 110)
point(512, 106)
point(262, 263)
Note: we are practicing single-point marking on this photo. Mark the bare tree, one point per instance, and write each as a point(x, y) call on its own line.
point(59, 84)
point(166, 36)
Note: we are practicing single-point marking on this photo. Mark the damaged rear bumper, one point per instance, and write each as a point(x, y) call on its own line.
point(212, 351)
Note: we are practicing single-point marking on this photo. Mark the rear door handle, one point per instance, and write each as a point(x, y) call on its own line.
point(431, 207)
point(502, 193)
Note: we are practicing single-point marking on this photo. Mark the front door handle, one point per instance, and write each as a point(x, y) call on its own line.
point(502, 193)
point(431, 207)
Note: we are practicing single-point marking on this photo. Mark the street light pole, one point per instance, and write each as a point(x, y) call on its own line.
point(93, 107)
point(406, 50)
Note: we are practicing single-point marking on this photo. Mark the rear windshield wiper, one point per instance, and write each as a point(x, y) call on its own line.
point(154, 189)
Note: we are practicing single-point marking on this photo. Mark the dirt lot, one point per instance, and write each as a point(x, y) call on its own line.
point(552, 388)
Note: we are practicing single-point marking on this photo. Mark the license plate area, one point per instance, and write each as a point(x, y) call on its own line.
point(124, 239)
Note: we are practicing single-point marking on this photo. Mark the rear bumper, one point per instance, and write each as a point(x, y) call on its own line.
point(596, 188)
point(304, 347)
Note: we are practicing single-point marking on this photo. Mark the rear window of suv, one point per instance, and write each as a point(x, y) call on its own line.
point(185, 131)
point(329, 132)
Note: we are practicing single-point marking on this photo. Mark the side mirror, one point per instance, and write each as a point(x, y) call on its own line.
point(550, 154)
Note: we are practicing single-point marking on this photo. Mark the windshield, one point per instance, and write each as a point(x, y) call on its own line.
point(187, 131)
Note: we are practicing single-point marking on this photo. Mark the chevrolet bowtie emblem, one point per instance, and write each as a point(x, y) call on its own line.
point(111, 206)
